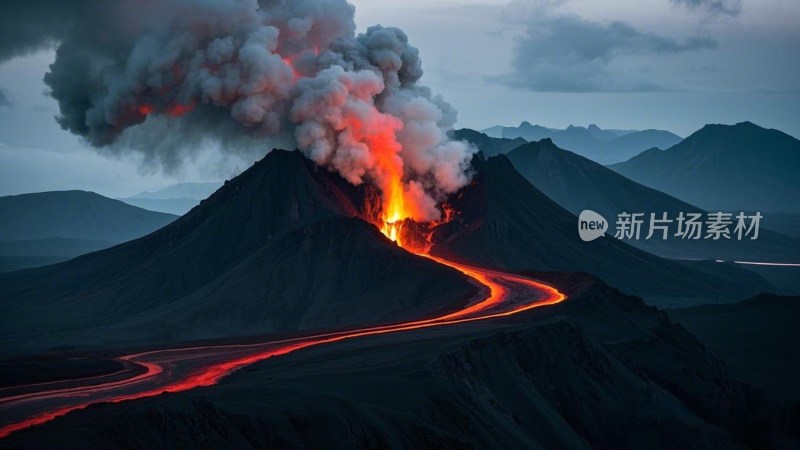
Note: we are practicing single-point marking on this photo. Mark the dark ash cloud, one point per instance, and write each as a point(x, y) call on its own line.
point(28, 26)
point(712, 7)
point(570, 54)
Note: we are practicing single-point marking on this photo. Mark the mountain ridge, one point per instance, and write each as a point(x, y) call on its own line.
point(578, 184)
point(603, 146)
point(741, 167)
point(75, 214)
point(506, 222)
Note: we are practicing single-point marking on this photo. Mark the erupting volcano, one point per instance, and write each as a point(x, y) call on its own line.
point(308, 204)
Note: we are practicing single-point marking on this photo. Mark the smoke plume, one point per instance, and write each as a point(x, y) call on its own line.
point(165, 76)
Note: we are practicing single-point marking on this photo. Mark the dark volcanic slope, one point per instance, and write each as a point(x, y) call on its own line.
point(758, 338)
point(75, 215)
point(601, 370)
point(577, 183)
point(27, 253)
point(506, 222)
point(725, 167)
point(274, 249)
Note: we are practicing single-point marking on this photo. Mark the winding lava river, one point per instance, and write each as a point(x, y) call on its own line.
point(181, 369)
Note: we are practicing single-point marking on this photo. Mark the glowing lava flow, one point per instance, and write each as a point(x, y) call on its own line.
point(181, 369)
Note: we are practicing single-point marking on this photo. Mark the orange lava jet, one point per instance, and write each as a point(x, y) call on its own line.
point(393, 211)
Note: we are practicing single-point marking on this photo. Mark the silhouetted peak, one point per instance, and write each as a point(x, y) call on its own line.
point(741, 126)
point(547, 142)
point(498, 166)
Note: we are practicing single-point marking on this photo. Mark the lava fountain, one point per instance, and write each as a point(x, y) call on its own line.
point(393, 212)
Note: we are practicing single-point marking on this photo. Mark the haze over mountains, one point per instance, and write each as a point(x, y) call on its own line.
point(75, 214)
point(740, 167)
point(48, 227)
point(177, 199)
point(603, 146)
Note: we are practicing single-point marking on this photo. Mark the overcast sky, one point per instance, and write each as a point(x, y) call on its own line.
point(632, 64)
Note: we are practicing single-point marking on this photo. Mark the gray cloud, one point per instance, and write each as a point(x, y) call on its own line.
point(520, 10)
point(569, 54)
point(712, 7)
point(5, 100)
point(31, 25)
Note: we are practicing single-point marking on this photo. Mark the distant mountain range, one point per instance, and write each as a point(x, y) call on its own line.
point(48, 227)
point(577, 183)
point(177, 199)
point(75, 215)
point(504, 221)
point(488, 145)
point(181, 190)
point(603, 146)
point(725, 167)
